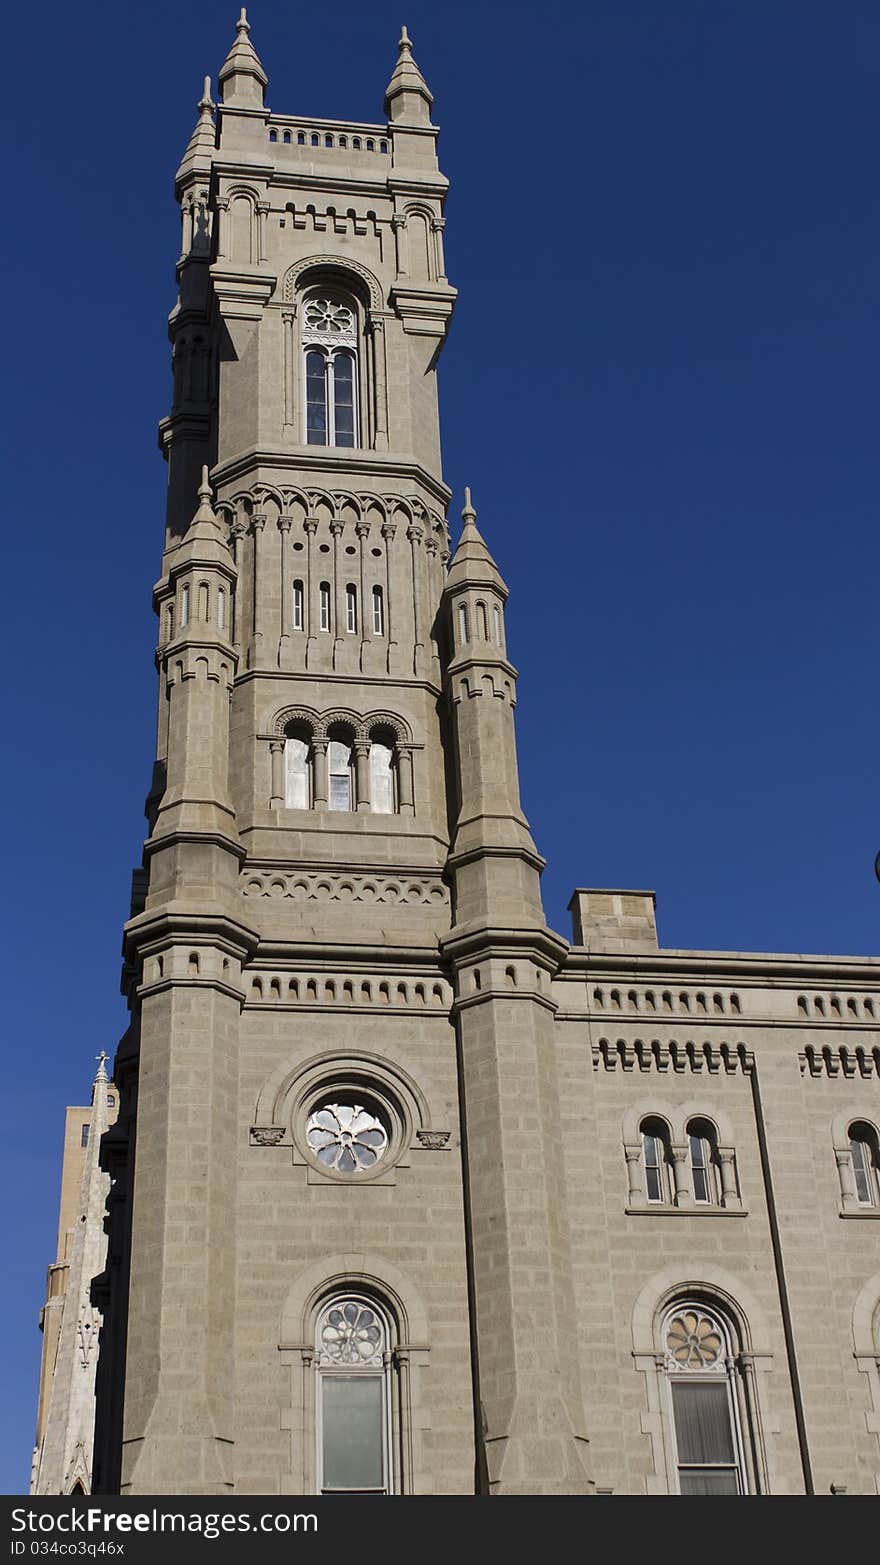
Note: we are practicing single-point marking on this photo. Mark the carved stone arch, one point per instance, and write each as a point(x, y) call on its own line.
point(696, 1108)
point(318, 497)
point(847, 1116)
point(367, 498)
point(294, 277)
point(644, 1108)
point(348, 1269)
point(268, 492)
point(343, 715)
point(295, 497)
point(401, 503)
point(381, 719)
point(344, 498)
point(243, 500)
point(288, 1082)
point(296, 714)
point(733, 1297)
point(242, 190)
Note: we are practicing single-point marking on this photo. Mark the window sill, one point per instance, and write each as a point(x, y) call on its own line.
point(660, 1209)
point(871, 1213)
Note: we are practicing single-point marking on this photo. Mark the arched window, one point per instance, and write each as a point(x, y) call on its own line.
point(184, 605)
point(378, 612)
point(382, 789)
point(482, 623)
point(655, 1153)
point(324, 605)
point(330, 347)
point(353, 1367)
point(297, 771)
point(298, 606)
point(351, 610)
point(863, 1151)
point(699, 1364)
point(221, 609)
point(496, 620)
point(463, 633)
point(703, 1154)
point(340, 775)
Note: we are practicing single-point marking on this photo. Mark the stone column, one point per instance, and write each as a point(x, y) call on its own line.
point(362, 774)
point(380, 384)
point(186, 236)
point(388, 532)
point(727, 1166)
point(311, 616)
point(681, 1174)
point(262, 214)
point(322, 773)
point(437, 226)
point(362, 530)
point(398, 224)
point(405, 780)
point(284, 524)
point(258, 523)
point(289, 400)
point(222, 206)
point(414, 534)
point(239, 533)
point(636, 1192)
point(847, 1181)
point(339, 606)
point(276, 751)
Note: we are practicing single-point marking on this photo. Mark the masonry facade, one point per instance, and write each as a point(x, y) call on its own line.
point(409, 1193)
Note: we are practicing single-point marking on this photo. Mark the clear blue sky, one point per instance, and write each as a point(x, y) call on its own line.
point(660, 384)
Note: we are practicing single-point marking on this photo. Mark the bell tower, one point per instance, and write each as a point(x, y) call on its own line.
point(338, 880)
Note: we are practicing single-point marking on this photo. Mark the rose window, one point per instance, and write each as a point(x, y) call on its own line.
point(346, 1137)
point(350, 1333)
point(325, 315)
point(694, 1340)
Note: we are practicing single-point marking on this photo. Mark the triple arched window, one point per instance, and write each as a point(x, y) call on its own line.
point(330, 368)
point(339, 771)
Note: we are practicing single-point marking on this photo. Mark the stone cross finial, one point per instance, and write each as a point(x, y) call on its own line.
point(101, 1074)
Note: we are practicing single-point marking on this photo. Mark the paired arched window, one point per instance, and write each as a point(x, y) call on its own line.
point(297, 771)
point(353, 1365)
point(700, 1366)
point(330, 368)
point(341, 775)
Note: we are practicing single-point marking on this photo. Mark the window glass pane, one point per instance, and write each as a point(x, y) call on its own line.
point(297, 605)
point(716, 1480)
point(859, 1154)
point(700, 1168)
point(702, 1422)
point(296, 755)
point(340, 793)
point(654, 1187)
point(316, 400)
point(378, 615)
point(343, 399)
point(381, 780)
point(352, 1432)
point(351, 618)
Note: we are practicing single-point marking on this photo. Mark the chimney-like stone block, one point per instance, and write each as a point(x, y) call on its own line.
point(613, 920)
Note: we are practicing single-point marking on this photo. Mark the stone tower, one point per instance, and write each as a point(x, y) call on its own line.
point(337, 956)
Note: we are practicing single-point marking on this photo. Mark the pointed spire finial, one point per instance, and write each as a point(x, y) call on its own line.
point(468, 513)
point(242, 77)
point(206, 102)
point(205, 493)
point(407, 97)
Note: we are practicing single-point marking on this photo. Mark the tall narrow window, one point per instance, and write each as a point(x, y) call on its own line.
point(297, 787)
point(298, 606)
point(330, 348)
point(700, 1368)
point(656, 1155)
point(463, 623)
point(704, 1161)
point(863, 1152)
point(324, 604)
point(340, 775)
point(352, 1361)
point(496, 620)
point(221, 609)
point(184, 606)
point(351, 610)
point(482, 625)
point(381, 778)
point(378, 612)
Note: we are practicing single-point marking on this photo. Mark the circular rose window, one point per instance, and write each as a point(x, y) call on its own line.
point(346, 1137)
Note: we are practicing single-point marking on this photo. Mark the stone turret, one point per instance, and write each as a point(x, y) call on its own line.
point(407, 98)
point(242, 78)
